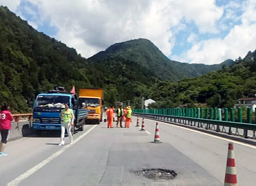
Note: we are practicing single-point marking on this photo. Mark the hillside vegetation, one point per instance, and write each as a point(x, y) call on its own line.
point(218, 89)
point(31, 63)
point(146, 54)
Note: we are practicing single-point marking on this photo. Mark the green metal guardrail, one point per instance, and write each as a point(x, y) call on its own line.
point(210, 118)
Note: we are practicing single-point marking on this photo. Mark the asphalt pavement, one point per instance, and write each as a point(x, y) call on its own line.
point(125, 156)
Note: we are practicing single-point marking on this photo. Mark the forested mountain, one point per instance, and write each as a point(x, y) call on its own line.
point(146, 54)
point(218, 89)
point(31, 63)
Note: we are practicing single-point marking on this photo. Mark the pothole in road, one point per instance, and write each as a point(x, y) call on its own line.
point(156, 174)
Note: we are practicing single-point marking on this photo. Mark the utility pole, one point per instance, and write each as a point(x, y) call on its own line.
point(128, 102)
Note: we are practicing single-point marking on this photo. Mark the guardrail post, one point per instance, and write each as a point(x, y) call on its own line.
point(249, 120)
point(198, 116)
point(232, 118)
point(206, 113)
point(219, 118)
point(202, 113)
point(206, 117)
point(240, 119)
point(232, 115)
point(215, 113)
point(249, 115)
point(192, 115)
point(226, 114)
point(211, 113)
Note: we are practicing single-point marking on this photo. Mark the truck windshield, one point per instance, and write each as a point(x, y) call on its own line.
point(89, 102)
point(52, 101)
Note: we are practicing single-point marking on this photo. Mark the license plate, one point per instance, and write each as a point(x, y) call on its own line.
point(50, 127)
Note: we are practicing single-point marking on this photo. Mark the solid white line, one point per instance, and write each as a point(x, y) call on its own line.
point(147, 132)
point(222, 138)
point(46, 161)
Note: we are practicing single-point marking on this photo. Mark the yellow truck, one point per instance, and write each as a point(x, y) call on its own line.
point(92, 99)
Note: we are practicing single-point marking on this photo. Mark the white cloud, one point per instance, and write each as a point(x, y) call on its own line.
point(237, 43)
point(11, 4)
point(92, 25)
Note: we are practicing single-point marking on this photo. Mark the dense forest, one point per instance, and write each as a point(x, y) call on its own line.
point(218, 89)
point(32, 62)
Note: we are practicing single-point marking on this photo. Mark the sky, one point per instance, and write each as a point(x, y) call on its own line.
point(191, 31)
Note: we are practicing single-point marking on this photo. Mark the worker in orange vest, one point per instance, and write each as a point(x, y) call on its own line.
point(110, 115)
point(128, 117)
point(124, 114)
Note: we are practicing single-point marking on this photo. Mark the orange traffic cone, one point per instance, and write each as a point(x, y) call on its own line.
point(157, 136)
point(230, 177)
point(142, 125)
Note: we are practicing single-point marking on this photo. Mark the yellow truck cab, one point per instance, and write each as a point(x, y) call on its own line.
point(92, 99)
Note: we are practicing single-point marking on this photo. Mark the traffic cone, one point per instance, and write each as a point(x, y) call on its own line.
point(137, 122)
point(157, 136)
point(230, 177)
point(142, 125)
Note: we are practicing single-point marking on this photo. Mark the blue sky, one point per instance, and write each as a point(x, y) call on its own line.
point(192, 31)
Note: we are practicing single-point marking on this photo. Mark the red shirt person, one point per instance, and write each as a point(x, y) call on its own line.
point(5, 127)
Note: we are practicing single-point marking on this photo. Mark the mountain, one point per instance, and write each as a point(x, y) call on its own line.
point(32, 62)
point(146, 54)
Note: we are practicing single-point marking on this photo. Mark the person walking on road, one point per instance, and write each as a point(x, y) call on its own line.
point(128, 117)
point(120, 112)
point(67, 121)
point(110, 115)
point(5, 127)
point(124, 114)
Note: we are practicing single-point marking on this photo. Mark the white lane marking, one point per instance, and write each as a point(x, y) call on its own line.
point(147, 132)
point(46, 161)
point(222, 138)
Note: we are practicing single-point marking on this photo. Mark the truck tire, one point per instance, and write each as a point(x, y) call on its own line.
point(98, 121)
point(38, 133)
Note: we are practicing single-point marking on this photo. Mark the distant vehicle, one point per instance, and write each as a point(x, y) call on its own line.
point(93, 99)
point(47, 108)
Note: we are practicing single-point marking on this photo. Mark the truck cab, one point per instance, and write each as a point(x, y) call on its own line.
point(93, 101)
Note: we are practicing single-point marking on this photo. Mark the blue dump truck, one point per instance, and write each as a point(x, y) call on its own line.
point(47, 108)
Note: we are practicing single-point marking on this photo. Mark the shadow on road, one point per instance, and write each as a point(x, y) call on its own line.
point(52, 144)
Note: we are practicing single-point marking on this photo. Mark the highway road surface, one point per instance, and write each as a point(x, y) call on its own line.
point(126, 156)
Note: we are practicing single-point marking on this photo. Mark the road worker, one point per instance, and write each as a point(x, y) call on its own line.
point(128, 117)
point(5, 127)
point(120, 112)
point(124, 114)
point(110, 115)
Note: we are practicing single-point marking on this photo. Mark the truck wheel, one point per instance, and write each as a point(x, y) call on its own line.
point(98, 121)
point(39, 132)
